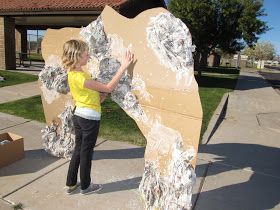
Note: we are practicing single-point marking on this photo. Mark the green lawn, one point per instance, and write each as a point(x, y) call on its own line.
point(116, 125)
point(29, 108)
point(13, 78)
point(35, 57)
point(213, 84)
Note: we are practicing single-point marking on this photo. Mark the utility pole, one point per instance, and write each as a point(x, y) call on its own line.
point(37, 47)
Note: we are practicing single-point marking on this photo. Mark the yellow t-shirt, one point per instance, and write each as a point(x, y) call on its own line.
point(83, 97)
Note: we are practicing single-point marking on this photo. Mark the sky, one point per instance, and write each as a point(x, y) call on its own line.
point(272, 9)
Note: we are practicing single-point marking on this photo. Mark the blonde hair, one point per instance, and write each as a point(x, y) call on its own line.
point(72, 52)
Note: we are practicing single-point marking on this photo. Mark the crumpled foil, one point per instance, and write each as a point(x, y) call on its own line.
point(55, 78)
point(171, 41)
point(174, 191)
point(152, 186)
point(2, 79)
point(95, 36)
point(59, 140)
point(99, 45)
point(5, 141)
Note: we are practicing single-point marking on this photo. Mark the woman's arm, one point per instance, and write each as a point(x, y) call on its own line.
point(107, 88)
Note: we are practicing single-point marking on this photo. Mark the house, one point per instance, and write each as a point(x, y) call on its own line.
point(240, 61)
point(18, 16)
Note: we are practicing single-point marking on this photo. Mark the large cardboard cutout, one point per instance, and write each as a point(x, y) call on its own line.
point(159, 92)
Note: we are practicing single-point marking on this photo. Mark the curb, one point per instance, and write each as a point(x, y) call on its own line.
point(216, 119)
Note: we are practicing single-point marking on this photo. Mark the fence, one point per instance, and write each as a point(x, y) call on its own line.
point(34, 43)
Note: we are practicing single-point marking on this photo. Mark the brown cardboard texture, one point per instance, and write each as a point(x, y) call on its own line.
point(168, 109)
point(12, 151)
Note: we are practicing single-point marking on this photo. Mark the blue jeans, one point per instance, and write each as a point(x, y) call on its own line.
point(86, 132)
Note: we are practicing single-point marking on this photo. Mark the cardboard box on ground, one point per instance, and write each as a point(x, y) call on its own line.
point(10, 151)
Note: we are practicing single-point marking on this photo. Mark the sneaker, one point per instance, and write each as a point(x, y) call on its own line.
point(71, 189)
point(91, 189)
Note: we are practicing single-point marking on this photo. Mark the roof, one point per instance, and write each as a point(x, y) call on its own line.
point(52, 5)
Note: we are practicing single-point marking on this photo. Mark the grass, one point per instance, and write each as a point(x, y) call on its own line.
point(18, 206)
point(13, 78)
point(213, 84)
point(35, 57)
point(29, 108)
point(117, 125)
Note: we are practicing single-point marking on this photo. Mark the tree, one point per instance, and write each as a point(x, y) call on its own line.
point(261, 51)
point(224, 24)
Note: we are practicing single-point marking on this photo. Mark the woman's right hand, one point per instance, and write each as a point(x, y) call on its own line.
point(127, 59)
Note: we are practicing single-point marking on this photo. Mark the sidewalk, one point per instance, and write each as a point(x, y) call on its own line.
point(20, 91)
point(24, 90)
point(244, 153)
point(39, 178)
point(35, 67)
point(237, 169)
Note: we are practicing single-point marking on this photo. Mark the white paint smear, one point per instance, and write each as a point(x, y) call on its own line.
point(171, 41)
point(60, 140)
point(49, 95)
point(174, 190)
point(137, 84)
point(54, 61)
